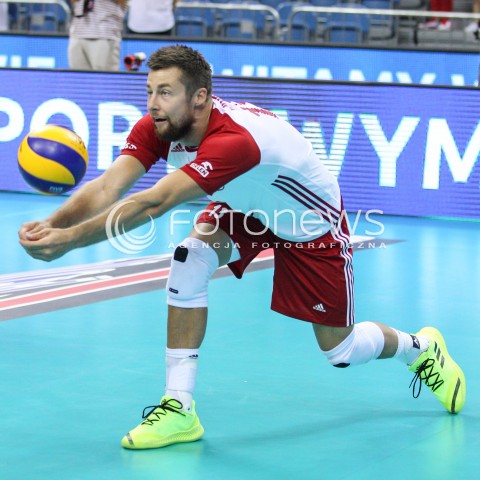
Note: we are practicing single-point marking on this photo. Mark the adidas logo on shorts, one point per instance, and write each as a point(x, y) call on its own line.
point(319, 308)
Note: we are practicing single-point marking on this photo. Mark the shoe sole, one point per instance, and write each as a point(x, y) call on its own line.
point(458, 390)
point(192, 435)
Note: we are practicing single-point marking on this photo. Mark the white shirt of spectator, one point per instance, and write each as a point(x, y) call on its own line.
point(148, 16)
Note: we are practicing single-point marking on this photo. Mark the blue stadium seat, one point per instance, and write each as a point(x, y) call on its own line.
point(190, 26)
point(12, 16)
point(41, 20)
point(382, 27)
point(243, 23)
point(19, 16)
point(345, 27)
point(194, 22)
point(47, 17)
point(303, 26)
point(322, 17)
point(62, 18)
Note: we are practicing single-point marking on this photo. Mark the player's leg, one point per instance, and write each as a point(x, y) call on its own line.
point(194, 261)
point(315, 283)
point(345, 343)
point(212, 243)
point(425, 353)
point(366, 341)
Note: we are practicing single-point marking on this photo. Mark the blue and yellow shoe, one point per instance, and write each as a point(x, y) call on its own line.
point(438, 371)
point(164, 424)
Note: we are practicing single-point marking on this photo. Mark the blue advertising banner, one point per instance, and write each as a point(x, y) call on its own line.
point(407, 150)
point(276, 61)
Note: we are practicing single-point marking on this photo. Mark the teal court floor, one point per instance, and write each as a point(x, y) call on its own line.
point(81, 356)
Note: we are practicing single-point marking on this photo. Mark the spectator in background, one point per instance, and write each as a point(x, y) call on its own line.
point(151, 17)
point(3, 17)
point(95, 34)
point(474, 26)
point(439, 23)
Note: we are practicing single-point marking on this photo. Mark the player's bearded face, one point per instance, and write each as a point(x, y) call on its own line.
point(173, 129)
point(169, 104)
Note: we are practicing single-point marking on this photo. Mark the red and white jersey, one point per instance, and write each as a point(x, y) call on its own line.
point(255, 162)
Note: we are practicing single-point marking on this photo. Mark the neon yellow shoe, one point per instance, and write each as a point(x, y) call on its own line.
point(164, 424)
point(437, 370)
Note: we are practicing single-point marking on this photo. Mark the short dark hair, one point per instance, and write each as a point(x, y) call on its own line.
point(196, 71)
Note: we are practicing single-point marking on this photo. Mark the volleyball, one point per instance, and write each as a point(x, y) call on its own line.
point(52, 159)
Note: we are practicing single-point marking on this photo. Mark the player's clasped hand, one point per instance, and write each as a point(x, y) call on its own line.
point(43, 242)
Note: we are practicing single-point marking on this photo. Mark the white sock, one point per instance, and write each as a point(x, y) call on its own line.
point(181, 364)
point(409, 347)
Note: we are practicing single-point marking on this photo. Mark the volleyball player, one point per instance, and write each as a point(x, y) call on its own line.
point(268, 189)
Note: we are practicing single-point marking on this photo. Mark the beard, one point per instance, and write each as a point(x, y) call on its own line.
point(171, 132)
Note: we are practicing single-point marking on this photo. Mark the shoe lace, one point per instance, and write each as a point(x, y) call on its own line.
point(157, 411)
point(426, 373)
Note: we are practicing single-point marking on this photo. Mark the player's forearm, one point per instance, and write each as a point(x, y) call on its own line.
point(129, 214)
point(85, 203)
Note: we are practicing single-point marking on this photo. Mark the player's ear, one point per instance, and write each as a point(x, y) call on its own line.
point(200, 98)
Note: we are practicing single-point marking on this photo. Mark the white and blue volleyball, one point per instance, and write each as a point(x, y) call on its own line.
point(52, 159)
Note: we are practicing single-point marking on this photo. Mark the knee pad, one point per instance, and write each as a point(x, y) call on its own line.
point(365, 343)
point(193, 263)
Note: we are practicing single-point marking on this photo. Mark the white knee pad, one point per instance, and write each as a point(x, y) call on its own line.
point(193, 263)
point(365, 343)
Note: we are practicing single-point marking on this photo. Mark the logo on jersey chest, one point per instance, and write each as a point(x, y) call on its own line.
point(178, 148)
point(180, 155)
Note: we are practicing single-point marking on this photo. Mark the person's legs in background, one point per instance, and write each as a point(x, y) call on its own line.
point(439, 23)
point(104, 55)
point(77, 55)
